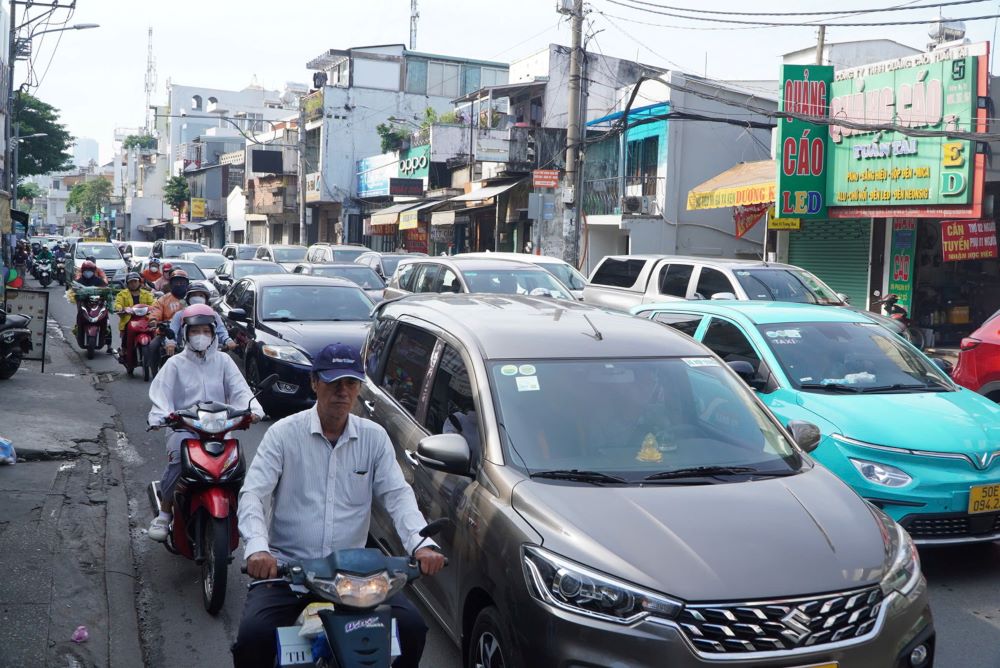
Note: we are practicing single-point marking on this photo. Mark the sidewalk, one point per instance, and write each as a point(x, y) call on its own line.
point(64, 536)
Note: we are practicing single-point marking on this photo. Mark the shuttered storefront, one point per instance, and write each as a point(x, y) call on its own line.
point(837, 251)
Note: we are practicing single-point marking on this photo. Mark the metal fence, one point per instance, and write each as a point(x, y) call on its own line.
point(604, 196)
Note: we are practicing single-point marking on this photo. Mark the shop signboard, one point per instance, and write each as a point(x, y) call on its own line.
point(902, 248)
point(545, 178)
point(406, 187)
point(198, 208)
point(414, 163)
point(782, 223)
point(968, 240)
point(314, 191)
point(374, 174)
point(34, 303)
point(802, 146)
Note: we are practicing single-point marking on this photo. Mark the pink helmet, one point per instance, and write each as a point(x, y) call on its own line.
point(198, 314)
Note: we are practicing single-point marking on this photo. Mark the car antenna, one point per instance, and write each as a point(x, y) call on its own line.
point(597, 333)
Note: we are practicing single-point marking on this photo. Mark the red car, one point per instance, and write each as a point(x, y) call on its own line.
point(978, 365)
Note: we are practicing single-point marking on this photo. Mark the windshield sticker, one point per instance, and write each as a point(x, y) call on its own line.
point(700, 361)
point(509, 369)
point(784, 334)
point(859, 378)
point(526, 370)
point(527, 384)
point(743, 273)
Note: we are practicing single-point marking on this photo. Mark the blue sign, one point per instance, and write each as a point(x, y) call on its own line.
point(374, 174)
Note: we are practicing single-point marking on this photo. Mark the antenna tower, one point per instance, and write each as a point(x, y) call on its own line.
point(414, 15)
point(150, 81)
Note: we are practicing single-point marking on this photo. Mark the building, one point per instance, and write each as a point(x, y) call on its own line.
point(85, 150)
point(271, 186)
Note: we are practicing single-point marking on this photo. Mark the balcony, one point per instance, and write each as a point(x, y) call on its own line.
point(643, 195)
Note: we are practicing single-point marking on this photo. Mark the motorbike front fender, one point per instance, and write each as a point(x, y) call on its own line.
point(215, 500)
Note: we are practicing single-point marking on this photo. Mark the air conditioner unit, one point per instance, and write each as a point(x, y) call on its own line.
point(632, 204)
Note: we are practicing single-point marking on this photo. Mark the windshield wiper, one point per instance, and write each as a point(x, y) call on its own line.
point(830, 387)
point(701, 471)
point(577, 475)
point(283, 318)
point(898, 387)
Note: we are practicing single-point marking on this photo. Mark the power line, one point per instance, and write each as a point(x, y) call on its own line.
point(851, 12)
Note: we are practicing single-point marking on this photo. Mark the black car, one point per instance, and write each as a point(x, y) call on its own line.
point(364, 276)
point(281, 321)
point(384, 264)
point(240, 251)
point(233, 270)
point(165, 248)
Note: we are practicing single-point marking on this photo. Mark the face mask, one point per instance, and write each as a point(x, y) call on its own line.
point(178, 291)
point(154, 270)
point(200, 342)
point(196, 300)
point(88, 274)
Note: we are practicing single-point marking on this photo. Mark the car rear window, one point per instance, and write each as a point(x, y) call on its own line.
point(618, 273)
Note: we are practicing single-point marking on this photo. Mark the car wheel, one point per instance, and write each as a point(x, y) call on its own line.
point(253, 379)
point(489, 647)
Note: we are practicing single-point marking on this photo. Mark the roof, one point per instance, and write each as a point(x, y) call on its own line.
point(713, 261)
point(745, 183)
point(284, 246)
point(763, 313)
point(517, 257)
point(557, 329)
point(251, 262)
point(476, 263)
point(503, 90)
point(298, 279)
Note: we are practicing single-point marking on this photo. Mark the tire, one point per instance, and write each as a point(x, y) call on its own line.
point(914, 336)
point(91, 345)
point(10, 367)
point(215, 568)
point(144, 359)
point(489, 646)
point(253, 378)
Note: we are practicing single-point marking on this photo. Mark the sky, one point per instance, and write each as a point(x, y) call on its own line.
point(96, 77)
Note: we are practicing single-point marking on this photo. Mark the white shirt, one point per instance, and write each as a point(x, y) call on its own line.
point(321, 493)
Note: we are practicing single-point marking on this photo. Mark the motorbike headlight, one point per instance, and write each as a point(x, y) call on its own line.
point(231, 459)
point(286, 354)
point(357, 592)
point(567, 585)
point(214, 422)
point(881, 474)
point(904, 574)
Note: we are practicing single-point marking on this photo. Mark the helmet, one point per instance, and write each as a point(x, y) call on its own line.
point(132, 276)
point(167, 267)
point(199, 314)
point(91, 258)
point(196, 287)
point(154, 260)
point(88, 265)
point(180, 273)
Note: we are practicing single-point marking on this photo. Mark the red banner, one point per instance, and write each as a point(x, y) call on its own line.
point(745, 217)
point(968, 240)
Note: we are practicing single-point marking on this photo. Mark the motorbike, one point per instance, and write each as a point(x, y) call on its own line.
point(15, 342)
point(204, 528)
point(892, 309)
point(60, 271)
point(138, 334)
point(154, 361)
point(92, 328)
point(43, 272)
point(358, 628)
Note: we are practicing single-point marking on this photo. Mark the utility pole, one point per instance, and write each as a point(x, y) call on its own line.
point(572, 214)
point(150, 80)
point(414, 15)
point(820, 44)
point(11, 55)
point(303, 235)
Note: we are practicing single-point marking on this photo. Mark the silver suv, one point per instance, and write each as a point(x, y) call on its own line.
point(618, 497)
point(473, 274)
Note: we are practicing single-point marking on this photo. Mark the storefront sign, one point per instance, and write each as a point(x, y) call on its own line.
point(902, 248)
point(782, 223)
point(414, 163)
point(34, 303)
point(802, 146)
point(746, 217)
point(968, 240)
point(198, 208)
point(406, 187)
point(314, 187)
point(545, 178)
point(374, 174)
point(416, 240)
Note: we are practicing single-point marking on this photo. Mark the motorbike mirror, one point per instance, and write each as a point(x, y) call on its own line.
point(434, 528)
point(805, 434)
point(238, 315)
point(267, 382)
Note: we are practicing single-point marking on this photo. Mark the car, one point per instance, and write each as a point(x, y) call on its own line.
point(561, 269)
point(135, 252)
point(617, 497)
point(106, 255)
point(193, 272)
point(327, 252)
point(473, 274)
point(168, 248)
point(233, 270)
point(208, 262)
point(364, 276)
point(384, 264)
point(894, 426)
point(286, 255)
point(978, 366)
point(240, 251)
point(281, 321)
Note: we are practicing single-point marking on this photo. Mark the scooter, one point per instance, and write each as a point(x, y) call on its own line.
point(43, 272)
point(138, 334)
point(15, 342)
point(151, 361)
point(358, 628)
point(212, 470)
point(60, 271)
point(892, 309)
point(92, 330)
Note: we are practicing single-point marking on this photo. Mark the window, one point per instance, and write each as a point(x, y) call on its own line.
point(470, 79)
point(262, 253)
point(406, 366)
point(727, 341)
point(682, 322)
point(245, 301)
point(442, 79)
point(404, 277)
point(233, 296)
point(448, 282)
point(492, 77)
point(416, 76)
point(196, 103)
point(426, 275)
point(674, 279)
point(712, 281)
point(618, 273)
point(451, 408)
point(376, 344)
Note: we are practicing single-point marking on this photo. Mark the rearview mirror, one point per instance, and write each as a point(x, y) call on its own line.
point(448, 453)
point(238, 315)
point(805, 434)
point(724, 295)
point(844, 298)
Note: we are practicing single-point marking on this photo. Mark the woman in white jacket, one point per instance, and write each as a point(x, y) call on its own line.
point(199, 373)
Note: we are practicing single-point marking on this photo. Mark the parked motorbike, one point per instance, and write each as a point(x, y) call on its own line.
point(358, 629)
point(43, 272)
point(92, 328)
point(15, 342)
point(60, 272)
point(892, 309)
point(138, 334)
point(212, 470)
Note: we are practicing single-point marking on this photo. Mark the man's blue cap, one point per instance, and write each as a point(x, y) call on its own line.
point(336, 361)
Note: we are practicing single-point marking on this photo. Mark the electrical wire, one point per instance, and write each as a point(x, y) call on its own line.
point(852, 12)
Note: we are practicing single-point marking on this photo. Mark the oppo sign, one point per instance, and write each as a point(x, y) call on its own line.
point(411, 165)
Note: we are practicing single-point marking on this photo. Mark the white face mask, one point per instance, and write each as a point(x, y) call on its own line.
point(196, 300)
point(200, 342)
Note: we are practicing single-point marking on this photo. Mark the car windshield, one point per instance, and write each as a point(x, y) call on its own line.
point(565, 273)
point(98, 251)
point(175, 248)
point(208, 260)
point(786, 285)
point(141, 251)
point(346, 255)
point(390, 262)
point(289, 254)
point(246, 252)
point(193, 271)
point(314, 302)
point(858, 357)
point(363, 276)
point(634, 418)
point(244, 270)
point(515, 282)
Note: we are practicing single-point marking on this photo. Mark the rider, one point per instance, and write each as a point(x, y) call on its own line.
point(164, 309)
point(44, 254)
point(163, 281)
point(91, 276)
point(199, 294)
point(132, 295)
point(321, 469)
point(60, 251)
point(197, 374)
point(93, 261)
point(152, 273)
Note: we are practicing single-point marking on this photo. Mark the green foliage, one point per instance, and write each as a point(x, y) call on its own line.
point(40, 155)
point(392, 137)
point(28, 191)
point(89, 197)
point(176, 193)
point(139, 141)
point(450, 118)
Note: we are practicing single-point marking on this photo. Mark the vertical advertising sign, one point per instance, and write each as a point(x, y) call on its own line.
point(802, 146)
point(902, 248)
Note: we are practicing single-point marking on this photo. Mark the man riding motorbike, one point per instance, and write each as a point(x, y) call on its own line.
point(199, 373)
point(198, 293)
point(163, 281)
point(165, 307)
point(97, 270)
point(152, 273)
point(133, 294)
point(91, 276)
point(43, 255)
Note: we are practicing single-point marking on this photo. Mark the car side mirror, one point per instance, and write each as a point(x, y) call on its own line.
point(238, 314)
point(448, 453)
point(844, 298)
point(724, 295)
point(127, 257)
point(805, 434)
point(944, 365)
point(748, 374)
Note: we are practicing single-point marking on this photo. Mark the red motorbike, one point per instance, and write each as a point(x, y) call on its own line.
point(212, 470)
point(138, 334)
point(92, 329)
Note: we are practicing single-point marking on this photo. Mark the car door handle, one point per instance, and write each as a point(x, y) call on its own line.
point(411, 457)
point(369, 406)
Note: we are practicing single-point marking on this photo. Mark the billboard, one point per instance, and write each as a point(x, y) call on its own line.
point(802, 146)
point(374, 174)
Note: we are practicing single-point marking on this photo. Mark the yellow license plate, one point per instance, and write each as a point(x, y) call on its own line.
point(821, 665)
point(984, 499)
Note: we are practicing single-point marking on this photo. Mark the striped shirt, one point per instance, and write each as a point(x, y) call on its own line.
point(321, 493)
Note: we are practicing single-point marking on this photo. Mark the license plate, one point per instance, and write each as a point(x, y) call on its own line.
point(820, 665)
point(984, 499)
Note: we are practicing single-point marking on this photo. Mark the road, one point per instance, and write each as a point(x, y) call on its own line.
point(964, 581)
point(174, 626)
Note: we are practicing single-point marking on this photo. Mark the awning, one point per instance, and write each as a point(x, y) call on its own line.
point(503, 90)
point(198, 224)
point(453, 216)
point(410, 219)
point(152, 225)
point(746, 183)
point(390, 215)
point(256, 218)
point(489, 192)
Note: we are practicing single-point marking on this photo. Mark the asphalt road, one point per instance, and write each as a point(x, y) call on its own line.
point(964, 581)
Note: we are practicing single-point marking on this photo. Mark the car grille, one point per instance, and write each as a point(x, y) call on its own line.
point(733, 628)
point(953, 525)
point(110, 273)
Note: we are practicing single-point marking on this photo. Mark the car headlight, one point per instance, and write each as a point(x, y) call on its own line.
point(570, 586)
point(904, 574)
point(881, 474)
point(286, 354)
point(357, 592)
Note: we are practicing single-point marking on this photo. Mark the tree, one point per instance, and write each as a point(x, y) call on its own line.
point(89, 197)
point(139, 141)
point(40, 155)
point(28, 191)
point(176, 193)
point(392, 137)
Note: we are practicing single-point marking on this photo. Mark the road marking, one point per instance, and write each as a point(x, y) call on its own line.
point(67, 466)
point(126, 452)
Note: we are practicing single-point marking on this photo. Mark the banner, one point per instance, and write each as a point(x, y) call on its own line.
point(746, 217)
point(968, 240)
point(198, 208)
point(902, 248)
point(802, 146)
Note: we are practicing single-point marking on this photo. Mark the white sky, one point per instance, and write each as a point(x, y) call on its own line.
point(97, 76)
